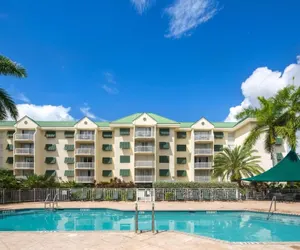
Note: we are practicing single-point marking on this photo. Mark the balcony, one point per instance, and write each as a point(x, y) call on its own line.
point(24, 165)
point(85, 179)
point(24, 151)
point(203, 151)
point(144, 164)
point(85, 137)
point(85, 151)
point(203, 137)
point(144, 178)
point(203, 165)
point(144, 134)
point(144, 149)
point(85, 165)
point(24, 137)
point(202, 178)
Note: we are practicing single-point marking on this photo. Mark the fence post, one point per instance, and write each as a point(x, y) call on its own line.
point(3, 196)
point(153, 219)
point(34, 194)
point(136, 218)
point(19, 195)
point(237, 194)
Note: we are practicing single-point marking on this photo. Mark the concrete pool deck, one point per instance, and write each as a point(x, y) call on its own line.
point(130, 240)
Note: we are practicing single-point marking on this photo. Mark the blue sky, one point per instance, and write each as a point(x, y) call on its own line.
point(182, 59)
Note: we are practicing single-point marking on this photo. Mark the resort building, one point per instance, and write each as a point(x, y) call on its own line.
point(142, 148)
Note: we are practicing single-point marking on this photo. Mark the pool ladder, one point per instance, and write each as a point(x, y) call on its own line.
point(273, 201)
point(51, 203)
point(137, 218)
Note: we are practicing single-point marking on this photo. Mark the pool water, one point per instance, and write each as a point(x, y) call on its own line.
point(224, 225)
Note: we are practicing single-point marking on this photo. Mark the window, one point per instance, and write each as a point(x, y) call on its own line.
point(50, 160)
point(125, 145)
point(181, 160)
point(279, 156)
point(181, 135)
point(163, 159)
point(219, 135)
point(107, 134)
point(107, 147)
point(50, 147)
point(181, 147)
point(164, 131)
point(69, 173)
point(9, 147)
point(107, 173)
point(164, 172)
point(69, 147)
point(10, 160)
point(107, 160)
point(69, 134)
point(50, 173)
point(50, 134)
point(10, 134)
point(124, 172)
point(278, 141)
point(218, 148)
point(69, 160)
point(124, 159)
point(181, 173)
point(164, 145)
point(124, 131)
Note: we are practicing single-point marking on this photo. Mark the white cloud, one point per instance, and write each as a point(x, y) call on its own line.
point(22, 97)
point(142, 5)
point(110, 78)
point(110, 85)
point(110, 90)
point(86, 111)
point(186, 15)
point(45, 112)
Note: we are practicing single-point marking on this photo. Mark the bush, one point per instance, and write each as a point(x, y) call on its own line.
point(169, 196)
point(194, 185)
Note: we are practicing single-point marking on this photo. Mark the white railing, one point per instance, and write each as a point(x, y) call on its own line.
point(85, 151)
point(143, 149)
point(144, 134)
point(203, 137)
point(85, 179)
point(25, 165)
point(144, 164)
point(24, 137)
point(24, 151)
point(203, 165)
point(143, 178)
point(202, 178)
point(203, 151)
point(85, 137)
point(83, 165)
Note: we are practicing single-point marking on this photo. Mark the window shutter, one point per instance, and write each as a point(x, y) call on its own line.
point(69, 134)
point(50, 147)
point(107, 147)
point(124, 159)
point(69, 147)
point(124, 145)
point(125, 172)
point(164, 131)
point(124, 131)
point(181, 173)
point(107, 160)
point(181, 147)
point(218, 148)
point(50, 160)
point(164, 145)
point(50, 134)
point(107, 134)
point(69, 160)
point(181, 160)
point(164, 172)
point(107, 173)
point(219, 135)
point(163, 159)
point(181, 135)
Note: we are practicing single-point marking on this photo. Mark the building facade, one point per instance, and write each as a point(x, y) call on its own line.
point(142, 148)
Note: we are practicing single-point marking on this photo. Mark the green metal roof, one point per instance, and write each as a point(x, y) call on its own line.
point(128, 119)
point(160, 119)
point(7, 123)
point(56, 123)
point(102, 124)
point(224, 124)
point(186, 124)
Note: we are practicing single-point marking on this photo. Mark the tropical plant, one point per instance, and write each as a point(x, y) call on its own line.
point(8, 180)
point(7, 105)
point(237, 163)
point(39, 181)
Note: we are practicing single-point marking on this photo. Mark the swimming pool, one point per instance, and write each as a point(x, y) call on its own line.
point(234, 226)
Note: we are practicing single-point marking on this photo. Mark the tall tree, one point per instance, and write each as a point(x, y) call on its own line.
point(7, 105)
point(237, 163)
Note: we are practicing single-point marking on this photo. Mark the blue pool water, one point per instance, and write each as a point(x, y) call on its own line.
point(224, 225)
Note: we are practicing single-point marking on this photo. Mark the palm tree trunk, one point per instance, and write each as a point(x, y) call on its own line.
point(273, 156)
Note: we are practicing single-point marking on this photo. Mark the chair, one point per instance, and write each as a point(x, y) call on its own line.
point(130, 195)
point(179, 196)
point(115, 195)
point(98, 195)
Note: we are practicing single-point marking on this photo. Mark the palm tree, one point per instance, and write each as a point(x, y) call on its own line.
point(237, 163)
point(7, 105)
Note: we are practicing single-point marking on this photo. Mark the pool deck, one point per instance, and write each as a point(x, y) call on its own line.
point(130, 240)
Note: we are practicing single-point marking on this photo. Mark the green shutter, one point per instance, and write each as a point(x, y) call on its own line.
point(124, 131)
point(107, 160)
point(219, 135)
point(10, 160)
point(124, 159)
point(125, 172)
point(107, 173)
point(181, 160)
point(50, 147)
point(279, 156)
point(10, 134)
point(125, 145)
point(181, 135)
point(163, 159)
point(10, 147)
point(218, 148)
point(164, 145)
point(69, 160)
point(107, 147)
point(69, 173)
point(50, 173)
point(181, 147)
point(50, 160)
point(181, 173)
point(164, 131)
point(107, 134)
point(50, 134)
point(164, 172)
point(278, 141)
point(69, 134)
point(69, 147)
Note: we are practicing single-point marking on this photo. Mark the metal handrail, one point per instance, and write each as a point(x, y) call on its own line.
point(273, 201)
point(46, 201)
point(55, 201)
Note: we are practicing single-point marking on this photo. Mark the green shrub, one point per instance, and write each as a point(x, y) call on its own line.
point(169, 196)
point(194, 185)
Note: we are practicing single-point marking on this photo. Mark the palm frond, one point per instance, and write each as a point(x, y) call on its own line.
point(7, 106)
point(8, 67)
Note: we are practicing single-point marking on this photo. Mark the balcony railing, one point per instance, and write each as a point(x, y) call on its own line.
point(24, 165)
point(204, 165)
point(24, 151)
point(24, 137)
point(85, 179)
point(202, 178)
point(85, 151)
point(203, 151)
point(143, 134)
point(139, 149)
point(145, 164)
point(143, 178)
point(85, 165)
point(85, 137)
point(203, 137)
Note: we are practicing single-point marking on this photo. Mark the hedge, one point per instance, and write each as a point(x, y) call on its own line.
point(194, 185)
